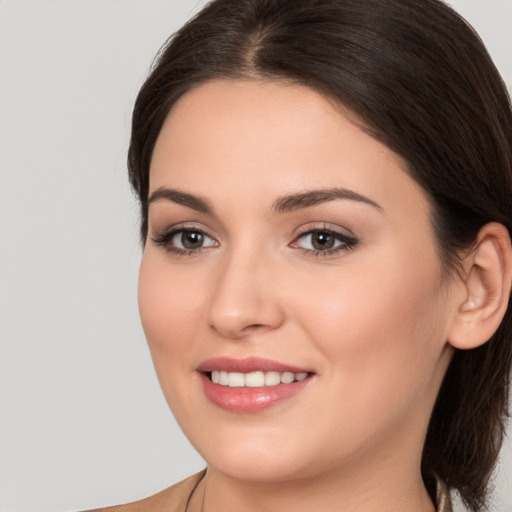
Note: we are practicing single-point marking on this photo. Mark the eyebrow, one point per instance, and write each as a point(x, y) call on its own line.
point(197, 203)
point(310, 198)
point(284, 204)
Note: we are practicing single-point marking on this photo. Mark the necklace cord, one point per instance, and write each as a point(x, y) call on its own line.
point(196, 485)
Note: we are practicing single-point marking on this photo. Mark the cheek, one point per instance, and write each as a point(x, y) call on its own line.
point(382, 328)
point(169, 309)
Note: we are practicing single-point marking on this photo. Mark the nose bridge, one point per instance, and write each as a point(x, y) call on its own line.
point(244, 298)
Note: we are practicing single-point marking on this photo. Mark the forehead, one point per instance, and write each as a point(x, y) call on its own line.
point(241, 136)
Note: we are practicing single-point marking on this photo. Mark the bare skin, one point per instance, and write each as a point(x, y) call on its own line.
point(369, 313)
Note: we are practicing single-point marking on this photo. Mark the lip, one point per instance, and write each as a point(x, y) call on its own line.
point(238, 399)
point(249, 364)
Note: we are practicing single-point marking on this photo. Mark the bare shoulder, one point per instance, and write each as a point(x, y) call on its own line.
point(172, 499)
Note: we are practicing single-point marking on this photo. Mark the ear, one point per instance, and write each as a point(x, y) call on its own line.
point(486, 288)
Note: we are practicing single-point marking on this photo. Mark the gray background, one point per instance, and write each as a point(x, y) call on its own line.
point(84, 423)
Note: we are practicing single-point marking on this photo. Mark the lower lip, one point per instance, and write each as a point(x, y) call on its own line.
point(250, 399)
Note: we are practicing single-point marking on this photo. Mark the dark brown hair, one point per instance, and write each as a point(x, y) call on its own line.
point(420, 81)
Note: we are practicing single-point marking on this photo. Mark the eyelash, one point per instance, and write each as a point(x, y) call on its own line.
point(347, 242)
point(165, 240)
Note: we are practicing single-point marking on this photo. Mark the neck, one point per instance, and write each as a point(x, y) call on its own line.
point(383, 490)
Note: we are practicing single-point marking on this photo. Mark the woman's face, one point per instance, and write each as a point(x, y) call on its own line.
point(285, 244)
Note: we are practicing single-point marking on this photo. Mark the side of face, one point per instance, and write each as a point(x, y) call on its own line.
point(348, 288)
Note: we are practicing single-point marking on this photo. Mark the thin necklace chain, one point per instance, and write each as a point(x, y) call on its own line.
point(193, 492)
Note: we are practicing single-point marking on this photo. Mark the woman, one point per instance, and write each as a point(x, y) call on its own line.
point(325, 193)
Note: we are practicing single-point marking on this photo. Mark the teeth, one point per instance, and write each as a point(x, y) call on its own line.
point(272, 378)
point(287, 377)
point(255, 379)
point(236, 380)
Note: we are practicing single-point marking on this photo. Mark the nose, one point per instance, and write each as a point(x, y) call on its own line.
point(245, 299)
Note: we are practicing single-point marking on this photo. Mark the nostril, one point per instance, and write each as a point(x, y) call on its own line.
point(238, 331)
point(253, 327)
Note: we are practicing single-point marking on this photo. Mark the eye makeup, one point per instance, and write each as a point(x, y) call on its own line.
point(184, 241)
point(322, 241)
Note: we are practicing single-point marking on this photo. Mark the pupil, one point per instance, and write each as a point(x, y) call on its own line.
point(322, 241)
point(192, 239)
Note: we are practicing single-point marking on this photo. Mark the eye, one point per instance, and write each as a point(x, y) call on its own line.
point(190, 239)
point(320, 240)
point(324, 242)
point(184, 240)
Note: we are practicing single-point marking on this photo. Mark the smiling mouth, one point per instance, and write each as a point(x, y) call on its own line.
point(257, 379)
point(251, 384)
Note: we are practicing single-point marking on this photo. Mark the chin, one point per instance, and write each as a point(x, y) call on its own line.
point(256, 469)
point(257, 461)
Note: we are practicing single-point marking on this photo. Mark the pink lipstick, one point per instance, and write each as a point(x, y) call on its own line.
point(252, 384)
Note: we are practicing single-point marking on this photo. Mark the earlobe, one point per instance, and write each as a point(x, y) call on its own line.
point(487, 284)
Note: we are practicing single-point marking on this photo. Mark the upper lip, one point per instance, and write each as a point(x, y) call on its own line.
point(247, 365)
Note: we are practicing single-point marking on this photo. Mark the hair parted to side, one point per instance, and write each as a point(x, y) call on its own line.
point(419, 80)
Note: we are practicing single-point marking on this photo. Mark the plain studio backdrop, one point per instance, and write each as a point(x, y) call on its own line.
point(84, 422)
